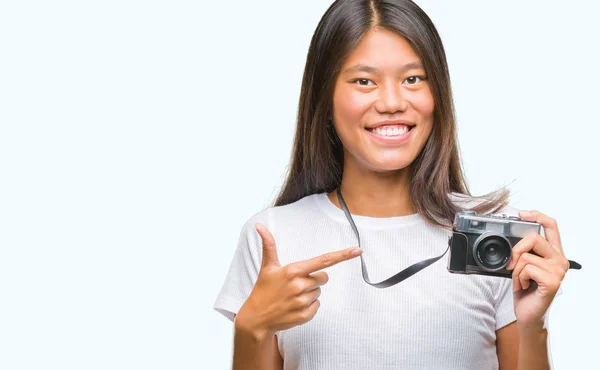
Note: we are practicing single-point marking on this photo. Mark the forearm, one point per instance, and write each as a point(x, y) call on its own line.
point(533, 349)
point(252, 349)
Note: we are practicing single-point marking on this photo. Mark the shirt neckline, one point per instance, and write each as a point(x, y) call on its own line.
point(338, 214)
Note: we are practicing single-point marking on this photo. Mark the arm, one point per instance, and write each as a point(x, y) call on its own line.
point(536, 279)
point(507, 346)
point(522, 349)
point(254, 350)
point(533, 349)
point(282, 297)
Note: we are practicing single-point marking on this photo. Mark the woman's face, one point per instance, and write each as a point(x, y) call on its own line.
point(382, 103)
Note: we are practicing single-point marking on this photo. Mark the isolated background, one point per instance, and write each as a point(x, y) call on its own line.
point(137, 137)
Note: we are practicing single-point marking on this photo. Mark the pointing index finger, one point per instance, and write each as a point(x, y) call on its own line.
point(326, 260)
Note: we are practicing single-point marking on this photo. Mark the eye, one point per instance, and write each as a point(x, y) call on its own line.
point(363, 81)
point(412, 79)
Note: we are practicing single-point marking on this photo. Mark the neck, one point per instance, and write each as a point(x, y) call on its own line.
point(375, 194)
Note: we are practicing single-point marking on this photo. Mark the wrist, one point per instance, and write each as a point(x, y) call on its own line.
point(534, 331)
point(245, 323)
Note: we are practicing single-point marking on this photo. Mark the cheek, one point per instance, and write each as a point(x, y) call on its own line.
point(423, 103)
point(349, 107)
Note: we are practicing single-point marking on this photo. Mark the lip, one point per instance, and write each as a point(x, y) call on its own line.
point(390, 122)
point(390, 139)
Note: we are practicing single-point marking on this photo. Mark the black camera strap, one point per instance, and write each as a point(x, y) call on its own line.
point(402, 275)
point(410, 270)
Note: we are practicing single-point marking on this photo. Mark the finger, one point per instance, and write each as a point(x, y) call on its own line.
point(313, 281)
point(543, 279)
point(320, 278)
point(524, 260)
point(305, 267)
point(549, 224)
point(300, 285)
point(308, 313)
point(308, 298)
point(524, 280)
point(269, 257)
point(532, 242)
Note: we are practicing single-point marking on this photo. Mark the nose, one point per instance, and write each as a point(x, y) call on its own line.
point(390, 100)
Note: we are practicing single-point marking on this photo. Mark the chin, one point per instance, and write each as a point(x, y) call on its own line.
point(388, 165)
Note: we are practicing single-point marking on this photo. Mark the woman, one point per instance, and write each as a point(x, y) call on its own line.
point(376, 121)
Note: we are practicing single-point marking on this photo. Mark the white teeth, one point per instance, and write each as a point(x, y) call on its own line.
point(391, 131)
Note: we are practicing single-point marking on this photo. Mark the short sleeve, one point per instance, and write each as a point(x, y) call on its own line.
point(244, 268)
point(505, 310)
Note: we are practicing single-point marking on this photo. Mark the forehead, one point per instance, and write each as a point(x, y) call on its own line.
point(382, 48)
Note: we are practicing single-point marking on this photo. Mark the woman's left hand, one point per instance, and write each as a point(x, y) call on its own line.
point(537, 277)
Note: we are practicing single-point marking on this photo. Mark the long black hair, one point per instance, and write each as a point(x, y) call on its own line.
point(317, 155)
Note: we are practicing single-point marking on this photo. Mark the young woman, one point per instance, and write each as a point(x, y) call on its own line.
point(376, 120)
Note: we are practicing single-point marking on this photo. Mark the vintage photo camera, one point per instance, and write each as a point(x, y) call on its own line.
point(482, 244)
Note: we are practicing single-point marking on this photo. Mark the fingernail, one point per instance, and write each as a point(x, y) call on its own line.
point(526, 213)
point(356, 252)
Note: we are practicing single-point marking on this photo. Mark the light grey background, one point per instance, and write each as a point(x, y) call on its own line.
point(138, 136)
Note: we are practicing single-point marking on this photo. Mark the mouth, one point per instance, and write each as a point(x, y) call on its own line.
point(390, 130)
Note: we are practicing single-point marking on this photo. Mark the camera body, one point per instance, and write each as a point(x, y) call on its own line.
point(482, 244)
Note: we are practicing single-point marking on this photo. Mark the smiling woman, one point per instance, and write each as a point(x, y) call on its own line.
point(364, 115)
point(381, 72)
point(376, 123)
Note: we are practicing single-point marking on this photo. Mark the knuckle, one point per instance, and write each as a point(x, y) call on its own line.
point(552, 222)
point(326, 260)
point(535, 239)
point(296, 286)
point(517, 261)
point(290, 271)
point(317, 293)
point(325, 278)
point(305, 315)
point(300, 301)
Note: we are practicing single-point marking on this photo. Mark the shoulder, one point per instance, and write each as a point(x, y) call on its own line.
point(276, 214)
point(465, 201)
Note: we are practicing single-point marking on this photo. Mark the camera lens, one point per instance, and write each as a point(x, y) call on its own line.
point(491, 251)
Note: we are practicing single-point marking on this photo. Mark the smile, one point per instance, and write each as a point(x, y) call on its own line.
point(390, 133)
point(390, 130)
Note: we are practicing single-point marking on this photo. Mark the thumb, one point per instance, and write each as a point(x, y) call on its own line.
point(268, 246)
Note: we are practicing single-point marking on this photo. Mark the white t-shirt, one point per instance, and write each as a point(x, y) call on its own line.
point(432, 320)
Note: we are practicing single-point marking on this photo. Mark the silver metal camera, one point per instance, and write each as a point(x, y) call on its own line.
point(482, 244)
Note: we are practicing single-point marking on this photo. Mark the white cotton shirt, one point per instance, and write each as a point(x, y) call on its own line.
point(432, 320)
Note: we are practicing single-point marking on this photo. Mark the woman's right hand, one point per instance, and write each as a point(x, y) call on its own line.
point(285, 296)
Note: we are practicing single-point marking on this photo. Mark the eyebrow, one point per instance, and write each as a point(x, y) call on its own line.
point(369, 69)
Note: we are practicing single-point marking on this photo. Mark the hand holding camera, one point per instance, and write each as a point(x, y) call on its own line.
point(512, 247)
point(545, 267)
